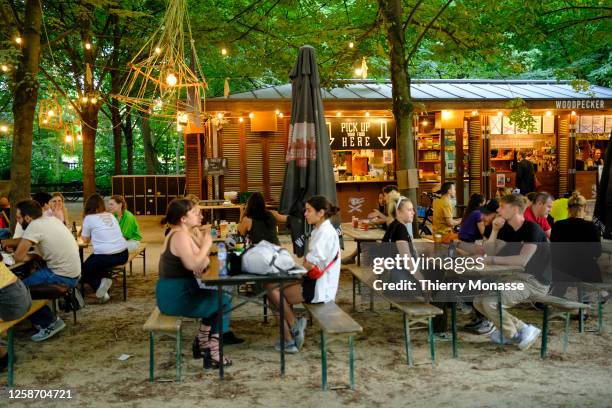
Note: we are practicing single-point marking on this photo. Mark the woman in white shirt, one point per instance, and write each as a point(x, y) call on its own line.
point(102, 229)
point(324, 253)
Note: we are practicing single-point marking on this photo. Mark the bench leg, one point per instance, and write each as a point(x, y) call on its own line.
point(130, 268)
point(265, 308)
point(179, 347)
point(566, 332)
point(74, 301)
point(580, 312)
point(124, 283)
point(352, 362)
point(354, 293)
point(151, 356)
point(544, 347)
point(599, 312)
point(454, 328)
point(407, 341)
point(11, 357)
point(323, 362)
point(432, 341)
point(144, 262)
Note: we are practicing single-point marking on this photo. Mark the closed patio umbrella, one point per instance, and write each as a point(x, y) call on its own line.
point(309, 168)
point(603, 202)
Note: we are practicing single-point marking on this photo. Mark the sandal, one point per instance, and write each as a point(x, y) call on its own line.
point(211, 355)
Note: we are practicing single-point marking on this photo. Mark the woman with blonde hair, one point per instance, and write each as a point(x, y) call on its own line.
point(57, 208)
point(575, 247)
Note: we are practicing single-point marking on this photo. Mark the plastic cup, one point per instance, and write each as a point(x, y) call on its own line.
point(355, 222)
point(437, 238)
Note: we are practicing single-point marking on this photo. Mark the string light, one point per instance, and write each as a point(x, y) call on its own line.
point(158, 103)
point(50, 113)
point(157, 50)
point(241, 119)
point(367, 114)
point(179, 128)
point(220, 115)
point(338, 113)
point(351, 44)
point(223, 51)
point(94, 100)
point(548, 113)
point(251, 115)
point(171, 79)
point(45, 121)
point(68, 138)
point(18, 40)
point(88, 46)
point(281, 115)
point(358, 72)
point(425, 123)
point(474, 112)
point(79, 136)
point(85, 99)
point(500, 113)
point(573, 113)
point(3, 128)
point(4, 68)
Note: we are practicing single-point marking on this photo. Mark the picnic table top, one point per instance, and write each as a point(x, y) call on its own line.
point(359, 234)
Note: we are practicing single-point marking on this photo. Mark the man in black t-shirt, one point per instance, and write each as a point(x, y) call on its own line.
point(516, 241)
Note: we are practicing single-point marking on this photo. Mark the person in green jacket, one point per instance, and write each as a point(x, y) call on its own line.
point(559, 209)
point(127, 221)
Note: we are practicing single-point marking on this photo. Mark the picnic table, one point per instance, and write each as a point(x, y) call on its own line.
point(212, 278)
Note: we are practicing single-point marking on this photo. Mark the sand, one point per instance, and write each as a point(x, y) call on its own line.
point(84, 359)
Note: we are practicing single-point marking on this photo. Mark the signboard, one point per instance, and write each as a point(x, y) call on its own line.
point(580, 104)
point(347, 133)
point(215, 166)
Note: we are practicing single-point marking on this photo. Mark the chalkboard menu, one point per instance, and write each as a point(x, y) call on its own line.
point(347, 133)
point(215, 166)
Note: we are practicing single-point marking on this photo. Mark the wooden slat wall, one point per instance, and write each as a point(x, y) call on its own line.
point(563, 158)
point(230, 148)
point(193, 164)
point(475, 155)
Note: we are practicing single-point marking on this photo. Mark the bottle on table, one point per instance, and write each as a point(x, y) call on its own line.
point(74, 229)
point(222, 257)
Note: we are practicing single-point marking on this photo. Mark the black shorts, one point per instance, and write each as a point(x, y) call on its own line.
point(308, 289)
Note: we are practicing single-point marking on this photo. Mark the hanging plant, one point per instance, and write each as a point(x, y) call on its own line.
point(520, 115)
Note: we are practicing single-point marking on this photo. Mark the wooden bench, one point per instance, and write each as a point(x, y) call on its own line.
point(122, 269)
point(161, 324)
point(413, 313)
point(334, 321)
point(8, 328)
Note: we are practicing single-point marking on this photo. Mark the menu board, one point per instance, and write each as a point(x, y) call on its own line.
point(346, 133)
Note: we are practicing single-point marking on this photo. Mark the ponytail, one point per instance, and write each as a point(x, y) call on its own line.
point(320, 202)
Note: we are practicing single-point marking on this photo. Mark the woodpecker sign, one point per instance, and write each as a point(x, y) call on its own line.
point(361, 133)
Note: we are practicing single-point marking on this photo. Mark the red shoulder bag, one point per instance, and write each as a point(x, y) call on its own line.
point(315, 272)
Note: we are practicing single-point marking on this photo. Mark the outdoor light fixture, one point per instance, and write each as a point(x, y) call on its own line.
point(68, 138)
point(220, 115)
point(548, 113)
point(338, 113)
point(367, 114)
point(50, 113)
point(182, 118)
point(94, 100)
point(251, 115)
point(277, 112)
point(157, 50)
point(474, 112)
point(351, 44)
point(4, 68)
point(179, 128)
point(171, 79)
point(45, 121)
point(280, 115)
point(3, 128)
point(18, 40)
point(358, 72)
point(573, 113)
point(223, 51)
point(500, 113)
point(241, 119)
point(85, 99)
point(79, 136)
point(424, 123)
point(88, 46)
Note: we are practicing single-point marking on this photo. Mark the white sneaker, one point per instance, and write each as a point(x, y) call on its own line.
point(104, 298)
point(529, 335)
point(50, 331)
point(105, 285)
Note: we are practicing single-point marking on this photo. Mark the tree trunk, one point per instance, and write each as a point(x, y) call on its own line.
point(25, 96)
point(392, 11)
point(90, 126)
point(116, 123)
point(149, 151)
point(128, 131)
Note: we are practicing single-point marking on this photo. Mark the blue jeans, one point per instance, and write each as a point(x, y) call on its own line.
point(5, 233)
point(44, 317)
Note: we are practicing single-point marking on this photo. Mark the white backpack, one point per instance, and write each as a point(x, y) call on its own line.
point(266, 258)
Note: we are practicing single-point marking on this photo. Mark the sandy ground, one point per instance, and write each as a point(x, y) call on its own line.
point(84, 359)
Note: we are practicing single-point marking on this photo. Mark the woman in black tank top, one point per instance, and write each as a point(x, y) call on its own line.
point(181, 262)
point(257, 223)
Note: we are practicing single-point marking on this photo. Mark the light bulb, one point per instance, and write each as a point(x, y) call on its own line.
point(338, 113)
point(241, 119)
point(474, 112)
point(281, 115)
point(50, 113)
point(223, 51)
point(277, 112)
point(548, 113)
point(179, 128)
point(358, 71)
point(4, 68)
point(18, 40)
point(79, 136)
point(500, 113)
point(85, 99)
point(88, 46)
point(68, 138)
point(573, 113)
point(171, 79)
point(45, 121)
point(351, 44)
point(251, 115)
point(425, 123)
point(220, 115)
point(3, 128)
point(367, 114)
point(158, 103)
point(94, 100)
point(157, 50)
